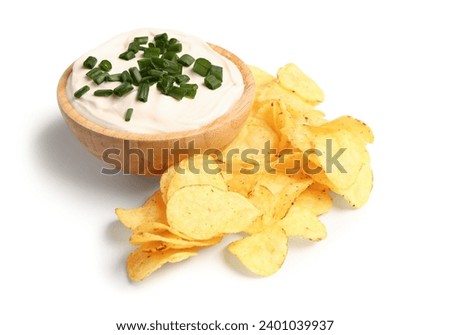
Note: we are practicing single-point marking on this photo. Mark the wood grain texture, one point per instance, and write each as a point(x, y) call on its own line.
point(149, 154)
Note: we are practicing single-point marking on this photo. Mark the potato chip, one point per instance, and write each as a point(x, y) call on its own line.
point(262, 253)
point(154, 209)
point(293, 79)
point(316, 198)
point(165, 180)
point(196, 170)
point(358, 194)
point(170, 239)
point(203, 212)
point(301, 222)
point(263, 199)
point(143, 262)
point(261, 77)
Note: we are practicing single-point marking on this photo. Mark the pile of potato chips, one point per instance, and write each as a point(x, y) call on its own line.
point(270, 184)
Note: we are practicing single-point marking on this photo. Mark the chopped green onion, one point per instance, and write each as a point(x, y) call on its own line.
point(126, 77)
point(123, 89)
point(145, 63)
point(103, 93)
point(216, 71)
point(151, 45)
point(141, 40)
point(149, 80)
point(161, 39)
point(186, 60)
point(212, 82)
point(100, 78)
point(114, 77)
point(128, 114)
point(90, 62)
point(151, 52)
point(135, 75)
point(105, 65)
point(127, 55)
point(176, 47)
point(177, 93)
point(81, 91)
point(158, 63)
point(153, 73)
point(143, 90)
point(170, 55)
point(191, 90)
point(133, 46)
point(172, 67)
point(93, 73)
point(165, 84)
point(173, 41)
point(202, 66)
point(182, 78)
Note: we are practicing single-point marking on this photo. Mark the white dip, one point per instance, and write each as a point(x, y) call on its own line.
point(161, 113)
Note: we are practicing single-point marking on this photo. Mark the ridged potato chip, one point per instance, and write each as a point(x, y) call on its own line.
point(293, 79)
point(203, 212)
point(154, 209)
point(142, 262)
point(264, 252)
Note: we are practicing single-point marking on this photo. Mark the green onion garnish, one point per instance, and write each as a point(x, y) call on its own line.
point(141, 40)
point(126, 77)
point(191, 90)
point(135, 75)
point(128, 114)
point(90, 62)
point(100, 78)
point(177, 92)
point(170, 55)
point(165, 84)
point(114, 77)
point(186, 60)
point(133, 46)
point(93, 73)
point(212, 82)
point(143, 90)
point(103, 93)
point(176, 47)
point(105, 65)
point(81, 91)
point(123, 89)
point(216, 71)
point(182, 79)
point(202, 66)
point(151, 52)
point(127, 55)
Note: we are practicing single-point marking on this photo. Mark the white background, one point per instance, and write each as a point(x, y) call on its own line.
point(382, 270)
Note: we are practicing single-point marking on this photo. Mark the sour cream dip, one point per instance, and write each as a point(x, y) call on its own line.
point(161, 113)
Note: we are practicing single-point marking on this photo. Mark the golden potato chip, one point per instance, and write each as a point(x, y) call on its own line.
point(301, 222)
point(264, 200)
point(261, 77)
point(170, 239)
point(203, 212)
point(246, 150)
point(196, 170)
point(339, 153)
point(154, 227)
point(356, 127)
point(293, 79)
point(266, 112)
point(143, 262)
point(165, 180)
point(240, 183)
point(154, 209)
point(274, 91)
point(262, 253)
point(316, 198)
point(358, 194)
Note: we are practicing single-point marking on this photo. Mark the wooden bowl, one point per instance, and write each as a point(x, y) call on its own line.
point(152, 154)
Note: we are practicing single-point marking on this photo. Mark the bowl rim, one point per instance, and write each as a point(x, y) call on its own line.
point(236, 110)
